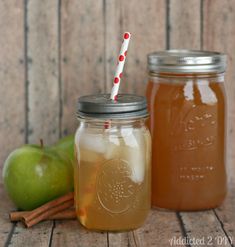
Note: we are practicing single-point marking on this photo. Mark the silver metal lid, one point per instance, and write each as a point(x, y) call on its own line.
point(186, 61)
point(101, 106)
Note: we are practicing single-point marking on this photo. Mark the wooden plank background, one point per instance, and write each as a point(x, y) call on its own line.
point(51, 52)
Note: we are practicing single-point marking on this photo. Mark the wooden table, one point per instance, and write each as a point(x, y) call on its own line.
point(208, 228)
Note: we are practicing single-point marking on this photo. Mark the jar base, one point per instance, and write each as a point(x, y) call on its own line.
point(110, 229)
point(185, 208)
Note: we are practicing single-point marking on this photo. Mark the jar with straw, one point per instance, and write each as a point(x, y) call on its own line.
point(113, 152)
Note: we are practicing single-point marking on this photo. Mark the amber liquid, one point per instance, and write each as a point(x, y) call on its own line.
point(187, 125)
point(112, 183)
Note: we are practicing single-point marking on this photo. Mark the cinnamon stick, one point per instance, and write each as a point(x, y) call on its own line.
point(18, 215)
point(29, 221)
point(46, 211)
point(62, 215)
point(46, 207)
point(68, 214)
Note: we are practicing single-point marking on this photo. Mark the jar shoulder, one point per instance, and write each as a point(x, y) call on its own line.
point(201, 91)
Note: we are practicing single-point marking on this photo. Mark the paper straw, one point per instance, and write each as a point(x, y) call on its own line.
point(120, 65)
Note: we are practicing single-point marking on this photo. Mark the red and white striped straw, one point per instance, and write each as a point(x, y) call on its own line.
point(120, 65)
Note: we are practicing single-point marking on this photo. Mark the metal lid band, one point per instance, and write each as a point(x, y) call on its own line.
point(101, 106)
point(186, 61)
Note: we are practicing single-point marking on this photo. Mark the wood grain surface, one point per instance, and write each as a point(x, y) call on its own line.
point(82, 55)
point(36, 236)
point(42, 70)
point(185, 24)
point(12, 77)
point(225, 213)
point(71, 233)
point(194, 224)
point(6, 227)
point(160, 227)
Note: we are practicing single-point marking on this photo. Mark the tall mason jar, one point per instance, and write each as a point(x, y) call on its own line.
point(187, 106)
point(112, 174)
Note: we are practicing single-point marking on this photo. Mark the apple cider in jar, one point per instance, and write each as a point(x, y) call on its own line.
point(187, 122)
point(112, 174)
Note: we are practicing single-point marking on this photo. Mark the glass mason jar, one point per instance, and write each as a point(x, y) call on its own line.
point(113, 150)
point(187, 122)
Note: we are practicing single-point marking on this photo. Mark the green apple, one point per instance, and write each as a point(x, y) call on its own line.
point(66, 145)
point(34, 175)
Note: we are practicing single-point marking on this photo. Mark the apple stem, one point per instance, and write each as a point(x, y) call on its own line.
point(41, 143)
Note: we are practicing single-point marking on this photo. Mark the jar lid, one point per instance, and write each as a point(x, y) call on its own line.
point(186, 61)
point(101, 106)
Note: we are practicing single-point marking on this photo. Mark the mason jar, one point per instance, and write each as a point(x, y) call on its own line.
point(112, 174)
point(187, 106)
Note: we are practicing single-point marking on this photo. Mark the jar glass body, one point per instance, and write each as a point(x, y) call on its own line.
point(112, 174)
point(188, 128)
